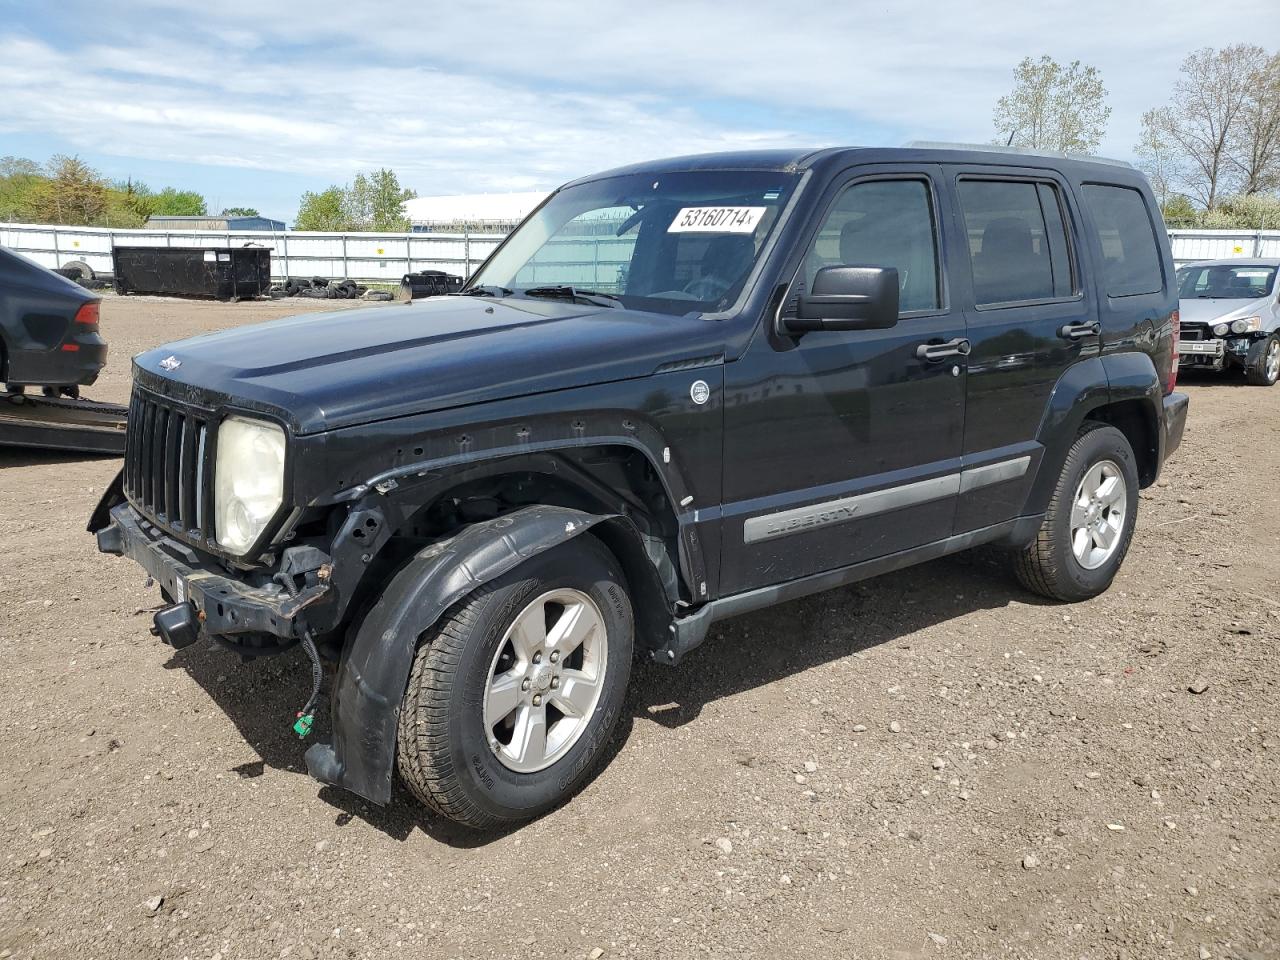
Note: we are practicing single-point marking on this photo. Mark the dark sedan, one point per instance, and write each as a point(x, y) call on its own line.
point(48, 329)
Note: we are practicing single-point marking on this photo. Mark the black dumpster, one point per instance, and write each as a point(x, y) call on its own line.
point(221, 272)
point(428, 283)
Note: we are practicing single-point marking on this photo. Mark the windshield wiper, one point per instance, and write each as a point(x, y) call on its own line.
point(485, 291)
point(566, 292)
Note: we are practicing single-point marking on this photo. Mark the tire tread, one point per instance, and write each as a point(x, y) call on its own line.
point(422, 755)
point(1036, 566)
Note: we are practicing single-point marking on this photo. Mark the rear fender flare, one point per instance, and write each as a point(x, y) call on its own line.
point(1085, 388)
point(375, 666)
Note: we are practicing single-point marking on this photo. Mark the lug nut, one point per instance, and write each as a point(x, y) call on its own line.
point(555, 656)
point(537, 658)
point(537, 700)
point(555, 683)
point(525, 684)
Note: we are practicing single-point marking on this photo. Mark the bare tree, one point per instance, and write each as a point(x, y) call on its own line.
point(1254, 146)
point(1203, 116)
point(1159, 158)
point(1053, 107)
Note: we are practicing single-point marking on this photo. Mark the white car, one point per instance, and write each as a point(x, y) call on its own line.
point(1230, 312)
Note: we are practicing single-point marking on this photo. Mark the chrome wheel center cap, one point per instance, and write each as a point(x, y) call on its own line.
point(540, 677)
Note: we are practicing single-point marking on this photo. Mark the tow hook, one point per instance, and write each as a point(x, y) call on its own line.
point(178, 625)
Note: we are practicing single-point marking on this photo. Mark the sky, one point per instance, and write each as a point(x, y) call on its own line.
point(252, 102)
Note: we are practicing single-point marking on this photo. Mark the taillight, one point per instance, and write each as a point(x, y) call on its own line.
point(1175, 324)
point(87, 315)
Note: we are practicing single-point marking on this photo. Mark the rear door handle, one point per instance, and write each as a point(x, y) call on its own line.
point(1078, 331)
point(959, 347)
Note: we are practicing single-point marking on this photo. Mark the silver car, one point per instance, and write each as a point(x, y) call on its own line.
point(1230, 312)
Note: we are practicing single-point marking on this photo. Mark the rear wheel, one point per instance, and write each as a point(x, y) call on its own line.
point(513, 695)
point(1090, 520)
point(1262, 367)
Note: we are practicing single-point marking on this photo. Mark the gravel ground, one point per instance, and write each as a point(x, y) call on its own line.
point(932, 764)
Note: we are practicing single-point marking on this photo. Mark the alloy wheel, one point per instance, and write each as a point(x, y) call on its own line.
point(1098, 513)
point(545, 680)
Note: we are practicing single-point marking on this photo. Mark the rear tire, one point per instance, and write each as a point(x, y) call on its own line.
point(1089, 525)
point(1262, 366)
point(498, 723)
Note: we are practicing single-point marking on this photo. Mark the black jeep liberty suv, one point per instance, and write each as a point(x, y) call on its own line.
point(679, 391)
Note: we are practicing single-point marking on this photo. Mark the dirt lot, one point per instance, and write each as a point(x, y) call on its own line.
point(933, 764)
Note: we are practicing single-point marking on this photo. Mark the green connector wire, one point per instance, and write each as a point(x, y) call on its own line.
point(302, 726)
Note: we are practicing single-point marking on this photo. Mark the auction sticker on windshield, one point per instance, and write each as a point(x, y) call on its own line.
point(717, 220)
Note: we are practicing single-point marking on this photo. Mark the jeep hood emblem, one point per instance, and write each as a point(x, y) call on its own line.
point(170, 363)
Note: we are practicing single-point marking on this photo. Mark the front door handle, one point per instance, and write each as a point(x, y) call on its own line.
point(1078, 331)
point(959, 347)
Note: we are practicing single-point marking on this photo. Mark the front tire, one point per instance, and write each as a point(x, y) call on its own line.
point(1089, 525)
point(1262, 367)
point(514, 694)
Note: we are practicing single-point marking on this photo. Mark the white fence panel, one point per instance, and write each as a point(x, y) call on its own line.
point(1189, 245)
point(386, 257)
point(359, 256)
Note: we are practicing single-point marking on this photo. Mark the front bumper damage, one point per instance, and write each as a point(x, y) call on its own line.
point(1216, 353)
point(222, 605)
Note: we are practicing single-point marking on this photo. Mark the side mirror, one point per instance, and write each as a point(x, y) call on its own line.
point(848, 298)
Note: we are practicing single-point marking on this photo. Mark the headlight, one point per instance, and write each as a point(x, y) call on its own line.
point(1246, 324)
point(1221, 329)
point(248, 480)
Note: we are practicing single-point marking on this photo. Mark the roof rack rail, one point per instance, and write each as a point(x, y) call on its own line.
point(1026, 151)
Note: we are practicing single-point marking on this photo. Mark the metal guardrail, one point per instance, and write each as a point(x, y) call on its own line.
point(384, 257)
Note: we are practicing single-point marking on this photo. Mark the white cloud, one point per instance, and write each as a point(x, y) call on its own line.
point(494, 96)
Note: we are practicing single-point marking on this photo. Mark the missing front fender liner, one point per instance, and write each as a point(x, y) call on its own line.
point(375, 667)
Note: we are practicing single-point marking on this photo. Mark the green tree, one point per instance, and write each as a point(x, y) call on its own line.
point(372, 201)
point(357, 203)
point(19, 177)
point(325, 210)
point(171, 202)
point(386, 201)
point(128, 205)
point(1052, 107)
point(1179, 211)
point(72, 192)
point(240, 212)
point(1253, 211)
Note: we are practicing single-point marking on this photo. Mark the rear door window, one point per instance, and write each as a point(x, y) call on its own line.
point(1130, 252)
point(1018, 242)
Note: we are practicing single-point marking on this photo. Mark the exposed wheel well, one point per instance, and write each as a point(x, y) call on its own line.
point(1135, 420)
point(607, 479)
point(604, 479)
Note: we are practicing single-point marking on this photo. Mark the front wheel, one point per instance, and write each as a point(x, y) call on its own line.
point(1262, 366)
point(1089, 524)
point(513, 695)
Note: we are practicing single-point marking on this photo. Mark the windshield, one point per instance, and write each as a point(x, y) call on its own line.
point(672, 243)
point(1225, 282)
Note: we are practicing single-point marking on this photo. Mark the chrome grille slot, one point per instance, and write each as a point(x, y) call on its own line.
point(166, 470)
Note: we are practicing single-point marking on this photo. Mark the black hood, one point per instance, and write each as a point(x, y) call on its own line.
point(326, 371)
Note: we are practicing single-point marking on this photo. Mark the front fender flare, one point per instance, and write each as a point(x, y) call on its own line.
point(375, 666)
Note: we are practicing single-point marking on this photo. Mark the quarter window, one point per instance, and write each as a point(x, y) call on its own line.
point(1018, 243)
point(1130, 256)
point(884, 223)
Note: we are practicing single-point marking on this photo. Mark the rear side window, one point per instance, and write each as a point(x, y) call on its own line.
point(1130, 254)
point(1018, 242)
